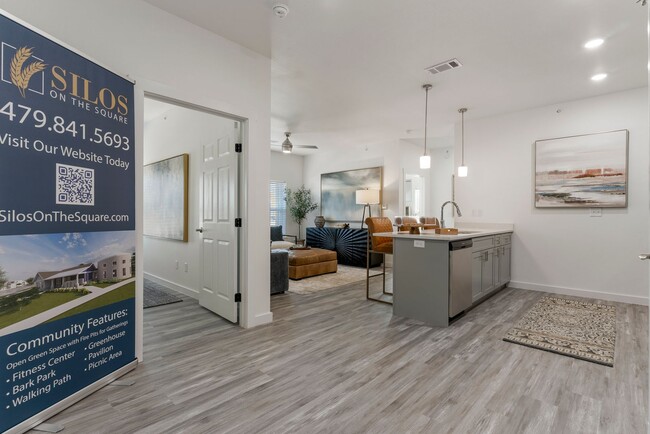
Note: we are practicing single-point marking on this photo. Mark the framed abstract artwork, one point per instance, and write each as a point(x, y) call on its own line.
point(165, 198)
point(338, 193)
point(588, 170)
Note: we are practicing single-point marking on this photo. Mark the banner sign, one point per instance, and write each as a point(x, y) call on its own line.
point(67, 223)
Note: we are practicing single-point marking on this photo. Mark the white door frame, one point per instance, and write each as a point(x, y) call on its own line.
point(180, 100)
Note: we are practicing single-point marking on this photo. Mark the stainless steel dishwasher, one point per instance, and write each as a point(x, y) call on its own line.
point(460, 276)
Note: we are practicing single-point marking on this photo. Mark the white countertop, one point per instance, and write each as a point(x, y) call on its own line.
point(465, 232)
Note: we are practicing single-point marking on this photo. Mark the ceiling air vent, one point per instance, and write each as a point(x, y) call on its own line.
point(444, 66)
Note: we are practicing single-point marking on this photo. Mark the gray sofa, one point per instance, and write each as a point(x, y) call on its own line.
point(279, 271)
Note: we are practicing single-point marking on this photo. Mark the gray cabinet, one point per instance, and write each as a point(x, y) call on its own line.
point(502, 265)
point(502, 250)
point(483, 279)
point(490, 264)
point(426, 272)
point(487, 272)
point(477, 268)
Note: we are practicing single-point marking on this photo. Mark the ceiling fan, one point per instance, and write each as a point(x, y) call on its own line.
point(287, 146)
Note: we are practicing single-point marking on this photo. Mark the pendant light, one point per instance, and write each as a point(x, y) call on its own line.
point(425, 160)
point(462, 169)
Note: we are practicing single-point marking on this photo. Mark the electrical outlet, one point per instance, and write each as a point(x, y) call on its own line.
point(177, 265)
point(595, 212)
point(186, 267)
point(418, 243)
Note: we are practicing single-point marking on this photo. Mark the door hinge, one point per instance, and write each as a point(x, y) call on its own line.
point(237, 147)
point(238, 297)
point(238, 222)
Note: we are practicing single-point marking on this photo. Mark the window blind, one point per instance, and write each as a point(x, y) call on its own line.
point(278, 206)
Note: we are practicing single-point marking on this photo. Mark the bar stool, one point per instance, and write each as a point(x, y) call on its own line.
point(430, 222)
point(379, 245)
point(405, 220)
point(403, 223)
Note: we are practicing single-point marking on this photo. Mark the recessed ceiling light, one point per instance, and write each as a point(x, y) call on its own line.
point(281, 10)
point(594, 43)
point(599, 77)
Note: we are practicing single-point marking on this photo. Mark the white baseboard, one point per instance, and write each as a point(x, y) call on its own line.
point(176, 287)
point(261, 319)
point(623, 298)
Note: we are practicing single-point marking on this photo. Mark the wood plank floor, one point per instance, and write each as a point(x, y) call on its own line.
point(333, 362)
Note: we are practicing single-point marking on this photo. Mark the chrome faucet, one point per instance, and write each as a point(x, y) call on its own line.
point(442, 212)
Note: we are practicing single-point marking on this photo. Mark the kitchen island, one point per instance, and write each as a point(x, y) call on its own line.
point(438, 277)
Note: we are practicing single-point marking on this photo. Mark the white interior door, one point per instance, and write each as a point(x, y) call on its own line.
point(219, 237)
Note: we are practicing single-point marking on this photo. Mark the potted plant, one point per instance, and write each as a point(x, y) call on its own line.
point(300, 204)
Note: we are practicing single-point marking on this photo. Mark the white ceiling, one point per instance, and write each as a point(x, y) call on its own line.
point(348, 72)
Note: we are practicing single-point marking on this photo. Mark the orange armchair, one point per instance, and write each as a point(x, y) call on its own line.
point(380, 245)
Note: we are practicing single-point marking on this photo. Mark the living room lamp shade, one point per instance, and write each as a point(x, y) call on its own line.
point(462, 169)
point(366, 197)
point(425, 160)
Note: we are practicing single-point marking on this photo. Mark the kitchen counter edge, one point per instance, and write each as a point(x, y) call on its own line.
point(431, 235)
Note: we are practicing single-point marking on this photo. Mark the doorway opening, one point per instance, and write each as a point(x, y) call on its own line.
point(191, 203)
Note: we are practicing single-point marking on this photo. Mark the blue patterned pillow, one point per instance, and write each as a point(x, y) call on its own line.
point(276, 233)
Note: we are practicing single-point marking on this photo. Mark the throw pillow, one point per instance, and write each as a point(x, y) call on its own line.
point(281, 245)
point(276, 233)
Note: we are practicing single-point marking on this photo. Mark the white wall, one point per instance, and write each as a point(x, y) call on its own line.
point(562, 250)
point(289, 168)
point(173, 58)
point(442, 169)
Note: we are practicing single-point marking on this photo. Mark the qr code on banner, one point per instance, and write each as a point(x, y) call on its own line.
point(75, 185)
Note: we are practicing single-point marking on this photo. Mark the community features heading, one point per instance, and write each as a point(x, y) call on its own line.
point(77, 329)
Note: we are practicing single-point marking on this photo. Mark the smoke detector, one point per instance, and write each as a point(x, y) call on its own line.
point(444, 66)
point(280, 10)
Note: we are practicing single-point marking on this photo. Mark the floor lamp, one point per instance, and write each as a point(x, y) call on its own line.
point(367, 197)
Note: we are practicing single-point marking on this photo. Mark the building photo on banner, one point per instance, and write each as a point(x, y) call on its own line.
point(67, 229)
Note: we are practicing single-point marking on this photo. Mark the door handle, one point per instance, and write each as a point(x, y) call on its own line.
point(644, 256)
point(200, 230)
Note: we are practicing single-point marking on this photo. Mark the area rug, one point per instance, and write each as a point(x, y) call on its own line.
point(343, 276)
point(158, 295)
point(572, 328)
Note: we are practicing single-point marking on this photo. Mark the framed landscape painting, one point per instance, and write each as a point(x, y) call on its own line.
point(165, 198)
point(338, 193)
point(588, 171)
